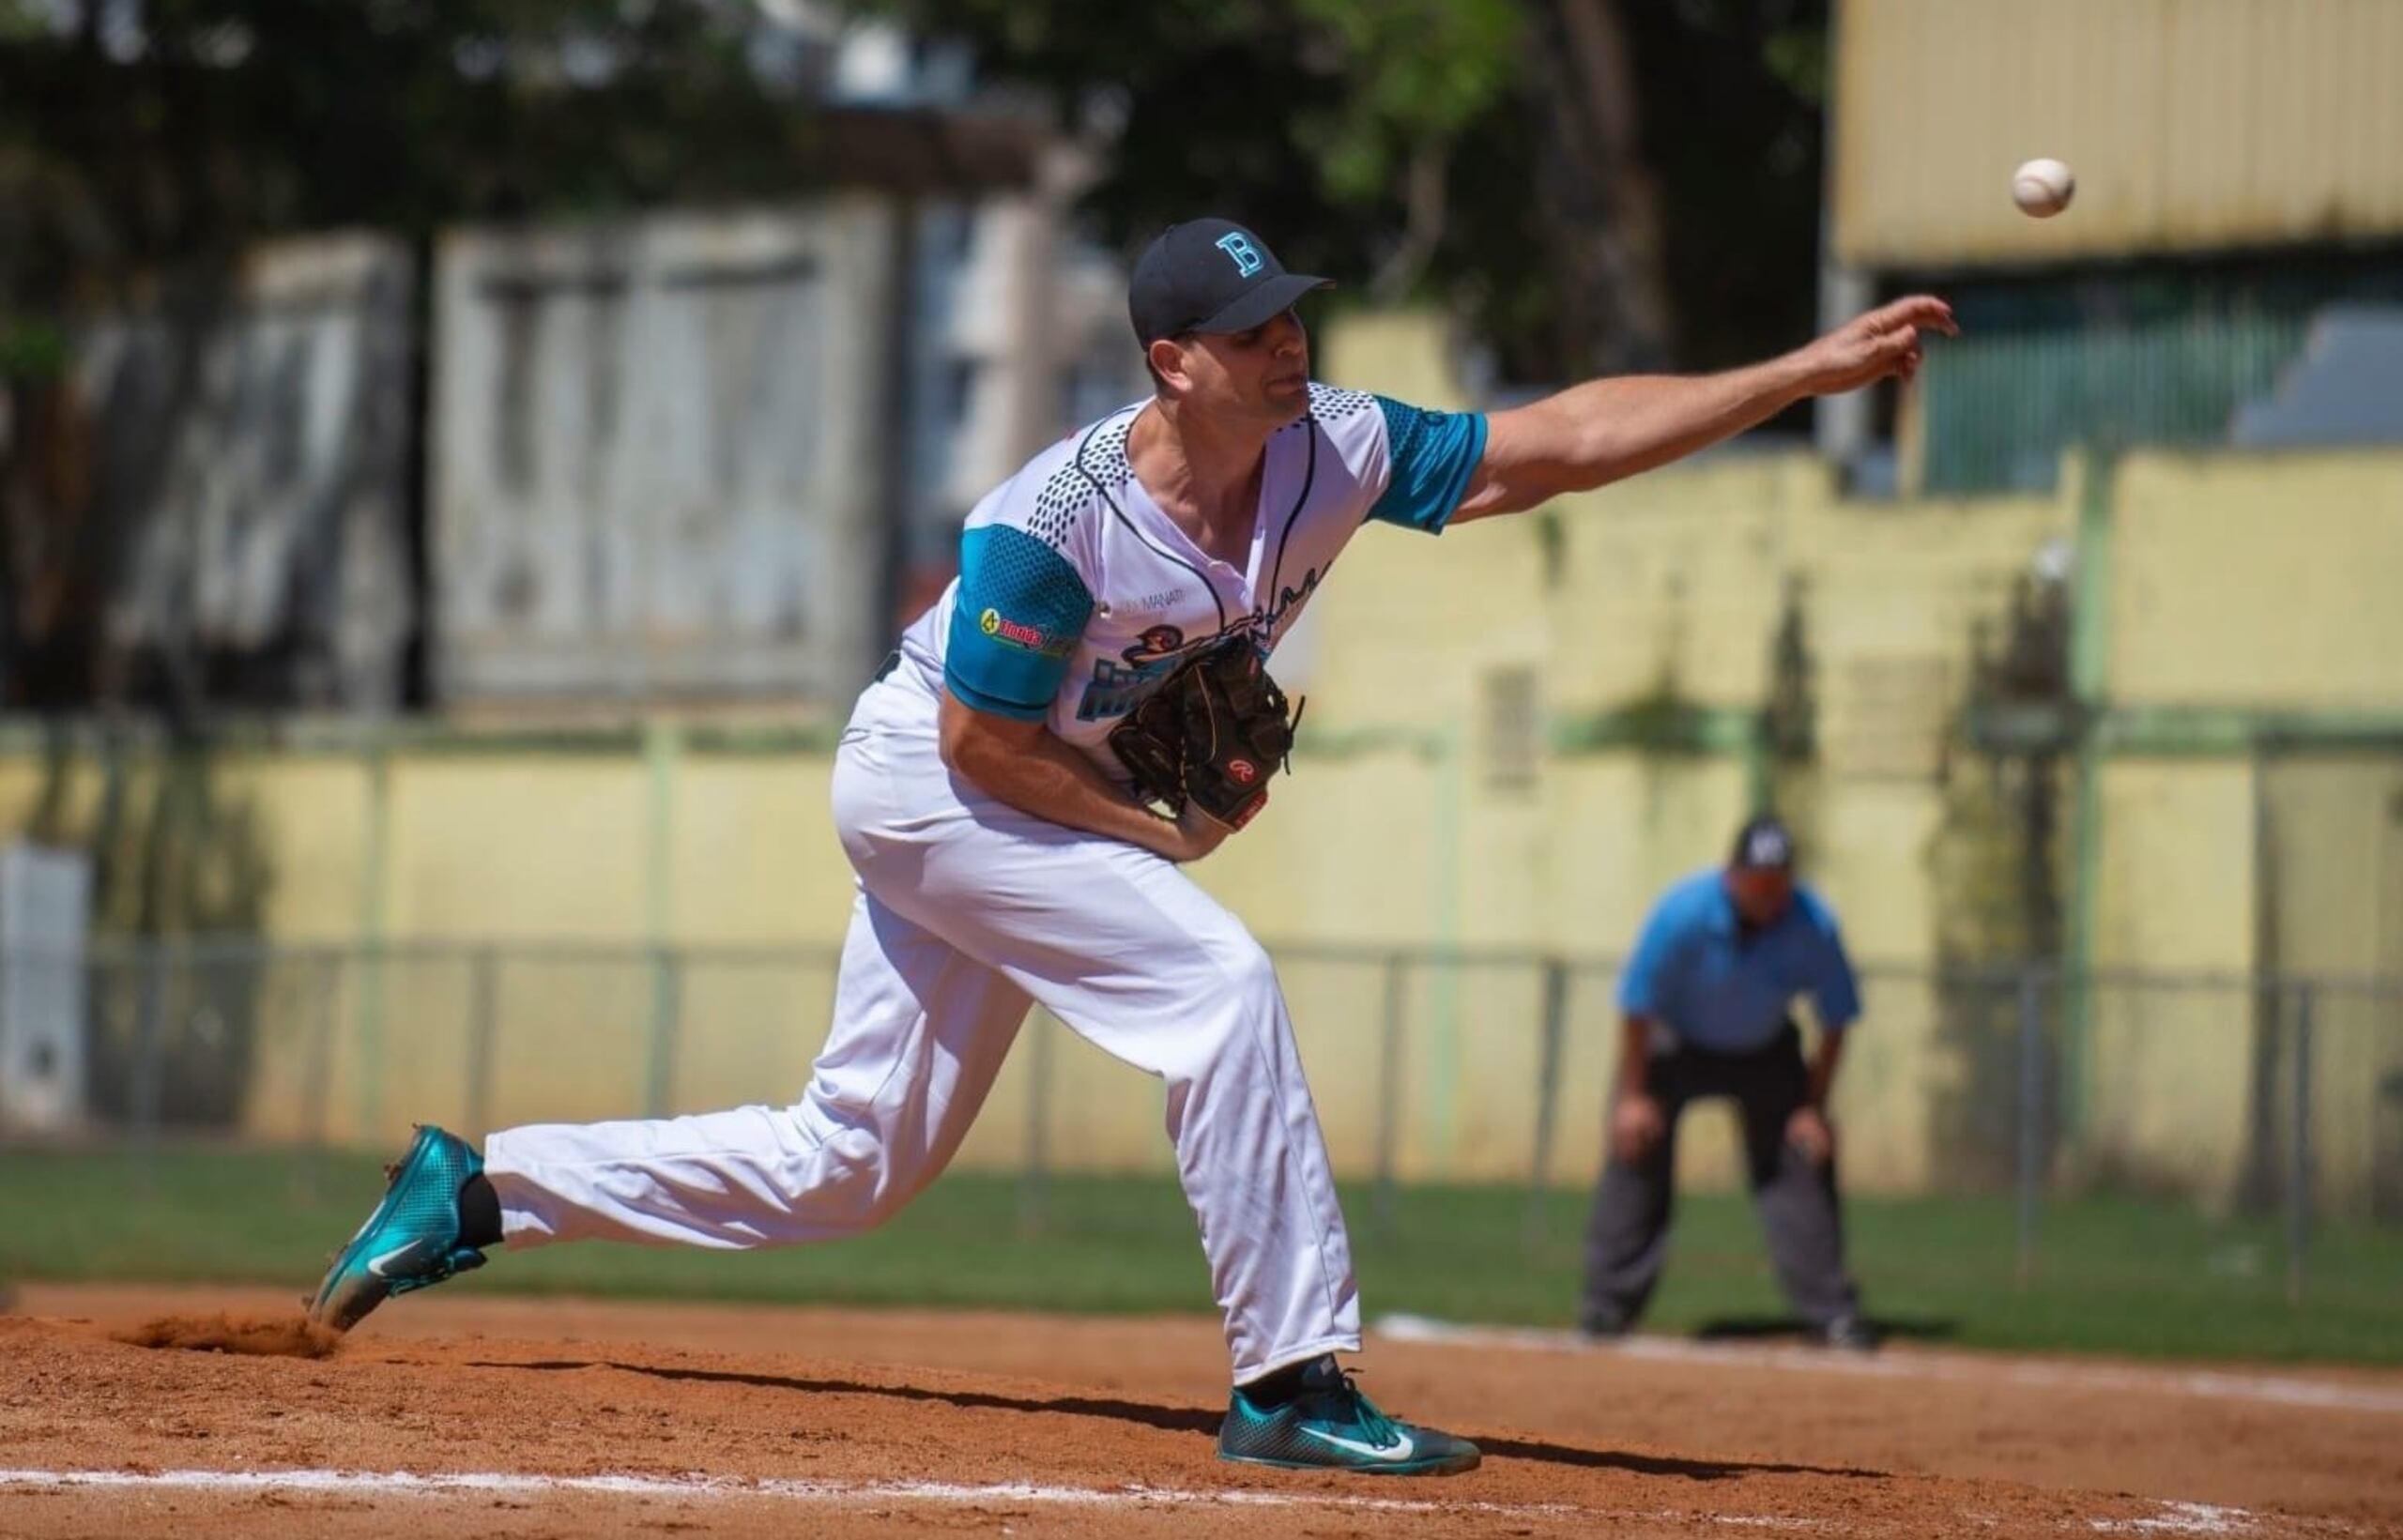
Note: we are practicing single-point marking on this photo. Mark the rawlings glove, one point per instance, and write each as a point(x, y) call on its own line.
point(1212, 734)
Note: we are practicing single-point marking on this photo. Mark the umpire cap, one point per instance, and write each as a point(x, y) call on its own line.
point(1763, 845)
point(1210, 276)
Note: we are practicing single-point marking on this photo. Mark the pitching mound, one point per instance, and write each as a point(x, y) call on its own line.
point(270, 1336)
point(483, 1415)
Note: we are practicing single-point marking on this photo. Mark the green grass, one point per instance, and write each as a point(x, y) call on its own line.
point(2113, 1275)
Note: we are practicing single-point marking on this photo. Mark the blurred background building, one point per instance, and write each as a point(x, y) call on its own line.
point(2234, 271)
point(403, 557)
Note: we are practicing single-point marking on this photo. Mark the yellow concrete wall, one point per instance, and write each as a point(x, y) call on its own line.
point(752, 857)
point(525, 847)
point(314, 810)
point(2334, 889)
point(2245, 582)
point(1389, 833)
point(2167, 1071)
point(1671, 580)
point(2257, 580)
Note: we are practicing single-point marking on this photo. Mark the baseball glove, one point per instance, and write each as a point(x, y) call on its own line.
point(1212, 734)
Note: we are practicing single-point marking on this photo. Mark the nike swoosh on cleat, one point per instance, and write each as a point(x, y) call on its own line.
point(375, 1265)
point(1393, 1453)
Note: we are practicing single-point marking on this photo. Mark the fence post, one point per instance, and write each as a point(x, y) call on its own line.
point(664, 1002)
point(149, 1073)
point(1034, 1179)
point(1555, 1018)
point(2299, 1150)
point(317, 1084)
point(2031, 1052)
point(483, 1008)
point(1384, 1204)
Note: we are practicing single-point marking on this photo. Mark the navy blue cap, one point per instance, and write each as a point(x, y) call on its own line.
point(1210, 276)
point(1763, 845)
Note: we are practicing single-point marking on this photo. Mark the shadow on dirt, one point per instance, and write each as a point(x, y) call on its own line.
point(1176, 1419)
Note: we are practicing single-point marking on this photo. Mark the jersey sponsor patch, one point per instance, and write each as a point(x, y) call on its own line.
point(1001, 628)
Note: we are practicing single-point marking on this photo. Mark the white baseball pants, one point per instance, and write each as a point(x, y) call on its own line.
point(967, 910)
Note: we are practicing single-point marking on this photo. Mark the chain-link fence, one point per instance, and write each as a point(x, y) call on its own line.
point(2276, 1095)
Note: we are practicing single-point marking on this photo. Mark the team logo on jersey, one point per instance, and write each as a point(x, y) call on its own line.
point(1115, 687)
point(1032, 639)
point(1247, 255)
point(1156, 642)
point(1118, 683)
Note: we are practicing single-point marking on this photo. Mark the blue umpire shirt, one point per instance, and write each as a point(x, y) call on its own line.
point(1696, 973)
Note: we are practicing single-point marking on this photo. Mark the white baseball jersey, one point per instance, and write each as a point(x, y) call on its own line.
point(1076, 596)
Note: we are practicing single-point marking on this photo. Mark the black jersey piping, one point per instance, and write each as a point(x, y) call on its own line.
point(1076, 462)
point(1310, 476)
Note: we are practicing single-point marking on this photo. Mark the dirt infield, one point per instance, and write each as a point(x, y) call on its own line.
point(522, 1417)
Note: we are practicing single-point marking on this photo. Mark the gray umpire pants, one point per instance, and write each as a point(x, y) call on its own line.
point(1628, 1238)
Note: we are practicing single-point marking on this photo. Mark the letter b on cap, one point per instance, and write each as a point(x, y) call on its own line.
point(1246, 256)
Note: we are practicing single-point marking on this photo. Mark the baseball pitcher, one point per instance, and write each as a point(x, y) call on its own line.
point(1086, 709)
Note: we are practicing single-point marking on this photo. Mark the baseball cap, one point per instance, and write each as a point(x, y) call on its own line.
point(1211, 276)
point(1763, 845)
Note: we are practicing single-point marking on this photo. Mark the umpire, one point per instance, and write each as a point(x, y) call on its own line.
point(1706, 1003)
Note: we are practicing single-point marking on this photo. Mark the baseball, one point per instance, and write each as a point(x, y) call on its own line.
point(2043, 188)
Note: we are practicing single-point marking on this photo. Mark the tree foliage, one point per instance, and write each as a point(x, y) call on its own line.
point(1589, 184)
point(136, 134)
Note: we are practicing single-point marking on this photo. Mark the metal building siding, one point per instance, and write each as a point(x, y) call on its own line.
point(654, 447)
point(2194, 124)
point(252, 469)
point(2002, 408)
point(2148, 354)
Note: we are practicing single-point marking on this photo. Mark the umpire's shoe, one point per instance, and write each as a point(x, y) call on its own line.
point(1329, 1426)
point(410, 1241)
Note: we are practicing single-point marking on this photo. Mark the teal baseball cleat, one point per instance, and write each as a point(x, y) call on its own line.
point(1330, 1426)
point(410, 1241)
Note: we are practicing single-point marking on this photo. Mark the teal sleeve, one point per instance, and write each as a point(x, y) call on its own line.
point(1433, 455)
point(1015, 623)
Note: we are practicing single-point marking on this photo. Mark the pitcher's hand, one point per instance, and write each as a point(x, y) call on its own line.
point(1869, 348)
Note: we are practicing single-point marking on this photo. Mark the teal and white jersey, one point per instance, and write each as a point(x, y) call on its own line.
point(1076, 595)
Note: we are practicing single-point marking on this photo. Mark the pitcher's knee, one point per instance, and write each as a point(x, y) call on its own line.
point(1251, 975)
point(1251, 972)
point(847, 1183)
point(1244, 1019)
